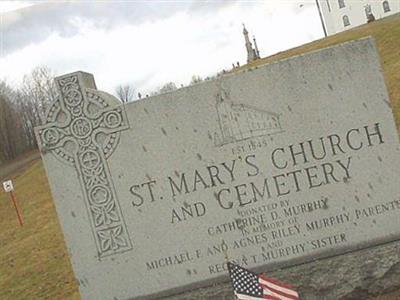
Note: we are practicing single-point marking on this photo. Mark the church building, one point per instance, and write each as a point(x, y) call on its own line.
point(340, 15)
point(240, 121)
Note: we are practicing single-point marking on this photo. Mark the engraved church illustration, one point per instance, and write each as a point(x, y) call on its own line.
point(239, 122)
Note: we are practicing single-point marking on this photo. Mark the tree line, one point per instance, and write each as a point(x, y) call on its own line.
point(24, 107)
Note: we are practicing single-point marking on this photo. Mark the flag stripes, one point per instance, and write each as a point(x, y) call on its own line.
point(276, 288)
point(250, 286)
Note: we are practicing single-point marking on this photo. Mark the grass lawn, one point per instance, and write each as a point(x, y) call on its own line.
point(33, 260)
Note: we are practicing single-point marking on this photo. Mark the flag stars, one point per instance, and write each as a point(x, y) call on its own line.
point(247, 284)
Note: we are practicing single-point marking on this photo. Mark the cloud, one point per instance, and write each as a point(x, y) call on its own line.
point(35, 23)
point(7, 6)
point(167, 44)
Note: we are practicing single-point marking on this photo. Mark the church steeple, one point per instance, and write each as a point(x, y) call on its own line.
point(252, 54)
point(249, 46)
point(245, 32)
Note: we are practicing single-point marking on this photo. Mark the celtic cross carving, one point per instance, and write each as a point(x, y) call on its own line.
point(82, 130)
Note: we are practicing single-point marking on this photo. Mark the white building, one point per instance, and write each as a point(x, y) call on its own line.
point(340, 15)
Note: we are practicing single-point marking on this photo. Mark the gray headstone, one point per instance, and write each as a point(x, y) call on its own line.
point(287, 163)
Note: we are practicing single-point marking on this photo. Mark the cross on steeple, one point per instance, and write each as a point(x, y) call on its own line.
point(78, 117)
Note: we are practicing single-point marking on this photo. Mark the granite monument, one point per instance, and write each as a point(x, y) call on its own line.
point(275, 166)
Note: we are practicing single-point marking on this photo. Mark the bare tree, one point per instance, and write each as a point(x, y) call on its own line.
point(125, 93)
point(195, 79)
point(168, 87)
point(39, 88)
point(6, 151)
point(22, 109)
point(13, 138)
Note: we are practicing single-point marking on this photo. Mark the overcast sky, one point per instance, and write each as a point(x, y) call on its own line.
point(146, 43)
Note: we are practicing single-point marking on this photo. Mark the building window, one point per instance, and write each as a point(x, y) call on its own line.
point(341, 4)
point(346, 21)
point(386, 7)
point(368, 10)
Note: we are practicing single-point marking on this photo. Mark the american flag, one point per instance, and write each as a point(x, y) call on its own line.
point(250, 286)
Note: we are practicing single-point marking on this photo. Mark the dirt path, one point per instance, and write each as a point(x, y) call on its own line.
point(19, 164)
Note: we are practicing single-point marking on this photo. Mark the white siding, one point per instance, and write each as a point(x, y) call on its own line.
point(355, 10)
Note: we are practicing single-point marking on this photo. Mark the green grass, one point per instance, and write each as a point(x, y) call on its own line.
point(33, 260)
point(34, 263)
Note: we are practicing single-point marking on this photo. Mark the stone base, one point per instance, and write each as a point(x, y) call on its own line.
point(362, 274)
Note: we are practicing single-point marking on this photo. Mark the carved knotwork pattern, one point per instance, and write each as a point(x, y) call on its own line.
point(82, 130)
